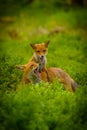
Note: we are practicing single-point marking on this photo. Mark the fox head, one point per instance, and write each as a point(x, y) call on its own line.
point(40, 50)
point(31, 71)
point(32, 68)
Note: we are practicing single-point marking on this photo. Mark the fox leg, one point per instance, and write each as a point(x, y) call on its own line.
point(70, 88)
point(67, 85)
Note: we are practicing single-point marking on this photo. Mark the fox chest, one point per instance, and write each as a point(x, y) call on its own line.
point(41, 66)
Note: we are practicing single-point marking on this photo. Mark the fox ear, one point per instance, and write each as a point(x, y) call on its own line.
point(20, 67)
point(47, 43)
point(32, 45)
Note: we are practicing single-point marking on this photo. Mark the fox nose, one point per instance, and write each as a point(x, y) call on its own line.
point(36, 69)
point(42, 56)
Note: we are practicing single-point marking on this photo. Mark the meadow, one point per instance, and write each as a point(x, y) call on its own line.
point(38, 107)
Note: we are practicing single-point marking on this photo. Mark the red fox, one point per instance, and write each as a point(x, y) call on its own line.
point(39, 56)
point(32, 74)
point(61, 76)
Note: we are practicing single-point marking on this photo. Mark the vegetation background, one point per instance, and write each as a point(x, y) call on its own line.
point(36, 107)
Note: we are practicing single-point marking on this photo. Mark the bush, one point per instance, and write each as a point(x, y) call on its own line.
point(9, 76)
point(38, 107)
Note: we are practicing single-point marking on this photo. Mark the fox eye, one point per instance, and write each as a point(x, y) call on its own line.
point(38, 51)
point(44, 50)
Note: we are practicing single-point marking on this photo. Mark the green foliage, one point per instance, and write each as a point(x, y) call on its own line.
point(8, 73)
point(43, 106)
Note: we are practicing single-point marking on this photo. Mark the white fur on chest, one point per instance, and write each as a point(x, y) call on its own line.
point(42, 63)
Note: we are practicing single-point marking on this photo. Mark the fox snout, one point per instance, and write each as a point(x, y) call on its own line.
point(42, 56)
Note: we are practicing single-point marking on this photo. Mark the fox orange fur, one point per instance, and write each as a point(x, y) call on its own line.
point(32, 74)
point(60, 75)
point(39, 56)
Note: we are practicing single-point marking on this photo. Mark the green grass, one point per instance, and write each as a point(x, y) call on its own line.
point(38, 107)
point(44, 106)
